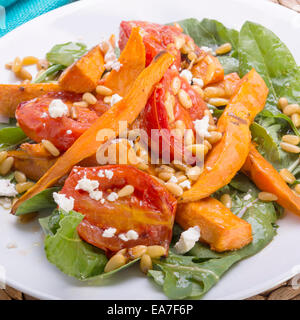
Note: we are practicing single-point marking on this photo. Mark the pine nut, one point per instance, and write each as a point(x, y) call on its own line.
point(51, 148)
point(74, 113)
point(20, 176)
point(107, 99)
point(29, 60)
point(3, 155)
point(180, 166)
point(291, 109)
point(287, 176)
point(166, 168)
point(142, 166)
point(218, 102)
point(297, 188)
point(226, 200)
point(213, 92)
point(206, 143)
point(211, 120)
point(137, 251)
point(289, 147)
point(169, 104)
point(189, 137)
point(224, 48)
point(104, 91)
point(42, 64)
point(185, 99)
point(126, 191)
point(296, 119)
point(176, 85)
point(181, 178)
point(8, 65)
point(198, 89)
point(194, 173)
point(146, 263)
point(159, 180)
point(179, 42)
point(6, 166)
point(156, 251)
point(192, 56)
point(165, 176)
point(185, 49)
point(81, 104)
point(174, 189)
point(291, 139)
point(123, 252)
point(24, 186)
point(89, 98)
point(267, 196)
point(179, 124)
point(199, 150)
point(24, 74)
point(214, 137)
point(212, 127)
point(115, 262)
point(282, 103)
point(17, 65)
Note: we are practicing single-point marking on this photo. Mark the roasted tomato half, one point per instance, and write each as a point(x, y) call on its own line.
point(147, 213)
point(34, 119)
point(165, 113)
point(158, 38)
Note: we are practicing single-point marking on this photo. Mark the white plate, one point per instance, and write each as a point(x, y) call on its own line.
point(26, 266)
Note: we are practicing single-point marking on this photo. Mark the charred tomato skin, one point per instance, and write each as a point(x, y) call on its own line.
point(150, 210)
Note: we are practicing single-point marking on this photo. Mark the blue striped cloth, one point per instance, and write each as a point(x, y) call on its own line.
point(18, 12)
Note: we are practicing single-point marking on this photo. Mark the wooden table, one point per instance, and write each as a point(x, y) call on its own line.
point(285, 291)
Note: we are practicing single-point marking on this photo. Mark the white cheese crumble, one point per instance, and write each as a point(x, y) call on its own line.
point(247, 197)
point(201, 127)
point(187, 75)
point(90, 186)
point(130, 235)
point(44, 115)
point(208, 50)
point(173, 179)
point(115, 98)
point(187, 240)
point(112, 197)
point(7, 189)
point(109, 233)
point(69, 131)
point(58, 109)
point(67, 204)
point(110, 58)
point(186, 184)
point(198, 81)
point(109, 174)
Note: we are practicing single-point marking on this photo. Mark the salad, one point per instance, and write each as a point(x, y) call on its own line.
point(177, 149)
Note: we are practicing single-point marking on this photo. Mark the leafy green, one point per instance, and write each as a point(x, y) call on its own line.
point(49, 74)
point(65, 54)
point(10, 135)
point(261, 49)
point(72, 255)
point(42, 200)
point(192, 275)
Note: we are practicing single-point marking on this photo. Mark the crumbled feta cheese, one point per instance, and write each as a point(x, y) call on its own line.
point(109, 233)
point(110, 58)
point(102, 201)
point(69, 131)
point(112, 197)
point(91, 187)
point(201, 127)
point(109, 174)
point(130, 235)
point(7, 189)
point(199, 82)
point(187, 240)
point(58, 109)
point(101, 174)
point(116, 65)
point(44, 115)
point(173, 67)
point(5, 203)
point(115, 98)
point(247, 197)
point(67, 204)
point(207, 49)
point(187, 75)
point(208, 168)
point(173, 179)
point(186, 184)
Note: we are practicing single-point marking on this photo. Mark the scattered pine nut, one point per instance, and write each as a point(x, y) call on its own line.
point(176, 85)
point(198, 89)
point(218, 102)
point(3, 155)
point(24, 186)
point(104, 91)
point(146, 263)
point(194, 173)
point(296, 119)
point(291, 139)
point(89, 98)
point(189, 137)
point(185, 99)
point(165, 176)
point(17, 65)
point(213, 92)
point(289, 147)
point(287, 176)
point(29, 60)
point(169, 105)
point(51, 148)
point(156, 251)
point(137, 251)
point(226, 200)
point(81, 104)
point(267, 196)
point(291, 109)
point(297, 188)
point(214, 137)
point(20, 176)
point(107, 99)
point(175, 189)
point(74, 113)
point(6, 165)
point(115, 262)
point(282, 103)
point(126, 191)
point(224, 48)
point(23, 74)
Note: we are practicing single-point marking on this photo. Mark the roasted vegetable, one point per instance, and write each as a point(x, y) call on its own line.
point(148, 211)
point(84, 74)
point(219, 227)
point(127, 109)
point(132, 60)
point(230, 153)
point(11, 95)
point(267, 179)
